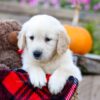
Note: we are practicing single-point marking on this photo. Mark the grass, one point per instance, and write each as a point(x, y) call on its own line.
point(95, 33)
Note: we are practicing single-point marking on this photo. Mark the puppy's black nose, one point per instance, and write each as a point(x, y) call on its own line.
point(37, 54)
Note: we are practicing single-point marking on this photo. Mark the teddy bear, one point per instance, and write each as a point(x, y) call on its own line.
point(8, 44)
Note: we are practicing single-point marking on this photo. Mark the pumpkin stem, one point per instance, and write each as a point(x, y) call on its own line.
point(77, 13)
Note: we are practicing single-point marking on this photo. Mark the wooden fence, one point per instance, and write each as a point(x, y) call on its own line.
point(62, 14)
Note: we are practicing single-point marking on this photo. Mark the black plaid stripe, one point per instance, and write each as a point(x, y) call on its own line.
point(5, 94)
point(27, 87)
point(40, 95)
point(22, 77)
point(63, 94)
point(46, 91)
point(18, 93)
point(22, 94)
point(67, 88)
point(72, 81)
point(29, 95)
point(26, 93)
point(3, 74)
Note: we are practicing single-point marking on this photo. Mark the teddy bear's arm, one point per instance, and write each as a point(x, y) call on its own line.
point(3, 66)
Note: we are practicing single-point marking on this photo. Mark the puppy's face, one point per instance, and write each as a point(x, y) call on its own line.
point(43, 36)
point(41, 43)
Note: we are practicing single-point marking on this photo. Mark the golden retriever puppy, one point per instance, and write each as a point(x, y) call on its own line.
point(44, 42)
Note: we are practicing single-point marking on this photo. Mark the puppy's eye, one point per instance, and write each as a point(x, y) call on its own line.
point(31, 37)
point(47, 39)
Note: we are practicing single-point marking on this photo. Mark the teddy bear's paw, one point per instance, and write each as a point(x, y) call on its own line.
point(3, 66)
point(57, 83)
point(38, 78)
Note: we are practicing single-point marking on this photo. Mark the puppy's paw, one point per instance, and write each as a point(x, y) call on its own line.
point(56, 83)
point(38, 78)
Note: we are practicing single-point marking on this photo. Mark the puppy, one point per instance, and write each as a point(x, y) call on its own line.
point(45, 42)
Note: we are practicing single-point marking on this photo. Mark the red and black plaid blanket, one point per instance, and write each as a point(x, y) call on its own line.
point(15, 85)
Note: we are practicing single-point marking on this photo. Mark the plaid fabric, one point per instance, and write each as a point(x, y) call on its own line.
point(15, 85)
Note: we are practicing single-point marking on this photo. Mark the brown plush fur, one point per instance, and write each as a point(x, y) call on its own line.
point(8, 44)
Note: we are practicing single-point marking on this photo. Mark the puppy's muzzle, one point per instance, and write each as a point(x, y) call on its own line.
point(37, 54)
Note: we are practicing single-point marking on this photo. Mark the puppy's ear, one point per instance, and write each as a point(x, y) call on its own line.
point(63, 42)
point(21, 40)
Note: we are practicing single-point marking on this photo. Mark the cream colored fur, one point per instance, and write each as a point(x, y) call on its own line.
point(56, 58)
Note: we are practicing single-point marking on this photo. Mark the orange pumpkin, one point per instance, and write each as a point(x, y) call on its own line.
point(81, 40)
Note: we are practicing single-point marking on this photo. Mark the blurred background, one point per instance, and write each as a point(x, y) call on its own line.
point(80, 13)
point(89, 16)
